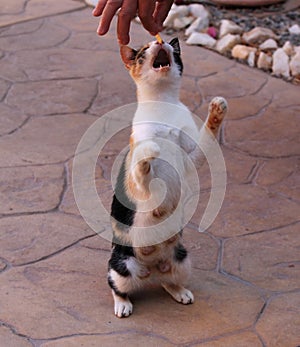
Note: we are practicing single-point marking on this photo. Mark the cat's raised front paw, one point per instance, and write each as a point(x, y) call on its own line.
point(218, 108)
point(216, 112)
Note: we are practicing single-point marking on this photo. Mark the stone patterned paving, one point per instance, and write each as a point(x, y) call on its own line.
point(56, 78)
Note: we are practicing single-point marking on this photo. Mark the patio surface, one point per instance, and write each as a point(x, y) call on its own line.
point(56, 78)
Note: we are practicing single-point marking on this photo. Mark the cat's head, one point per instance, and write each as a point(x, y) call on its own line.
point(154, 62)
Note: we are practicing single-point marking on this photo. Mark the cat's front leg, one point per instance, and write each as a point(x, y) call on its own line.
point(216, 112)
point(209, 132)
point(142, 156)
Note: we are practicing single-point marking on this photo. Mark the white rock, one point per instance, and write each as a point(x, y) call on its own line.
point(198, 11)
point(183, 22)
point(288, 48)
point(280, 65)
point(264, 61)
point(137, 20)
point(175, 12)
point(198, 25)
point(201, 39)
point(295, 64)
point(182, 10)
point(242, 52)
point(169, 21)
point(228, 41)
point(297, 49)
point(251, 59)
point(229, 27)
point(258, 35)
point(294, 29)
point(268, 45)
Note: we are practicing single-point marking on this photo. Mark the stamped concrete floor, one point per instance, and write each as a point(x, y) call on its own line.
point(57, 77)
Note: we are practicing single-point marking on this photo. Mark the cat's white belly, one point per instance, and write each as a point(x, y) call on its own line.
point(164, 120)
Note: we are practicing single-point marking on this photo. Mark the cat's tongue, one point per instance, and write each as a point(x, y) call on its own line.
point(161, 61)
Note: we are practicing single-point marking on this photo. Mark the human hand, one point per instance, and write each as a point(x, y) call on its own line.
point(152, 14)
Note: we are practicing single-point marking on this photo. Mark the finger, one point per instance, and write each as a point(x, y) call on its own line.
point(146, 10)
point(99, 8)
point(108, 13)
point(161, 11)
point(127, 13)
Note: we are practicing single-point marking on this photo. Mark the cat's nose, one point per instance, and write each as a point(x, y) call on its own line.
point(159, 43)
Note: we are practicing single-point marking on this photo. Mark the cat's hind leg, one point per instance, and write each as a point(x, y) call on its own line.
point(122, 304)
point(180, 272)
point(124, 276)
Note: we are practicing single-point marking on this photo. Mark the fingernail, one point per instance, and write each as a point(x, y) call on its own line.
point(99, 30)
point(123, 41)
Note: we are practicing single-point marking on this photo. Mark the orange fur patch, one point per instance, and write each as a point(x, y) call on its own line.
point(134, 192)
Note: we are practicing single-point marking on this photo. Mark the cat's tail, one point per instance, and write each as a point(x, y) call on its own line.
point(143, 154)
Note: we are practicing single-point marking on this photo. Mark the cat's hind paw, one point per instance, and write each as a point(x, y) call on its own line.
point(186, 297)
point(179, 293)
point(123, 307)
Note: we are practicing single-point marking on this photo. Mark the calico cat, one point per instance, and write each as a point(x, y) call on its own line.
point(139, 207)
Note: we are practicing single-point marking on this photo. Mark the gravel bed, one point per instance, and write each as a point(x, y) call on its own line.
point(271, 17)
point(279, 18)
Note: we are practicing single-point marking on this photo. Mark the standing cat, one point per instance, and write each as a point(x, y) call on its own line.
point(144, 252)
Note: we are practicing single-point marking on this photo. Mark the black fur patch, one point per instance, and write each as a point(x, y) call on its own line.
point(112, 285)
point(142, 53)
point(117, 260)
point(175, 44)
point(178, 62)
point(123, 212)
point(177, 53)
point(180, 253)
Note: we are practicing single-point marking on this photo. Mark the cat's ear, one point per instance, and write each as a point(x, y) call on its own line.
point(175, 44)
point(128, 55)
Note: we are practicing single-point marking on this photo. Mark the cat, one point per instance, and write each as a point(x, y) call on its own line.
point(141, 204)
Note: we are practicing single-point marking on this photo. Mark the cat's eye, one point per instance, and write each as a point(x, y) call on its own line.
point(141, 55)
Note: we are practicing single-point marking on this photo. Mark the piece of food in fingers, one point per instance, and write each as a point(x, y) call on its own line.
point(159, 39)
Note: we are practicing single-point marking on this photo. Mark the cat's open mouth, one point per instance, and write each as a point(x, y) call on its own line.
point(162, 61)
